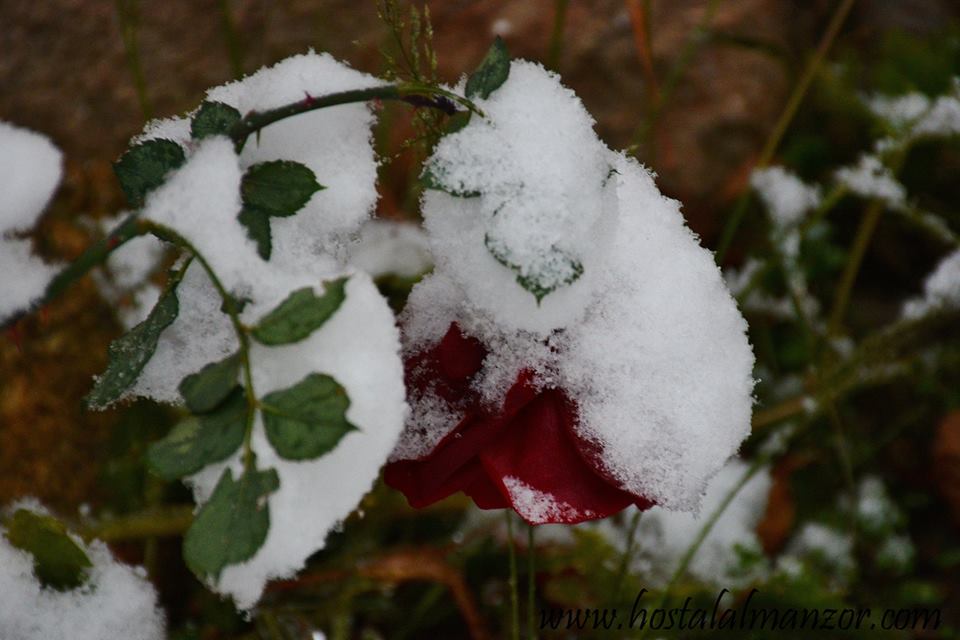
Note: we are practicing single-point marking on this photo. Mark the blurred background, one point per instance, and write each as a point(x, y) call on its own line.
point(856, 503)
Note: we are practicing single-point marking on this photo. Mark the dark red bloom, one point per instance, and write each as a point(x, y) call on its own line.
point(527, 456)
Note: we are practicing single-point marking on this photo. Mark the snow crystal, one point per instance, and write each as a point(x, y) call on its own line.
point(536, 506)
point(871, 179)
point(647, 341)
point(392, 248)
point(30, 170)
point(786, 196)
point(117, 601)
point(940, 290)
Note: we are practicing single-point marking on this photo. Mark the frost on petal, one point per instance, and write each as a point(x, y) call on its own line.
point(30, 170)
point(940, 290)
point(871, 179)
point(359, 347)
point(786, 196)
point(536, 506)
point(117, 601)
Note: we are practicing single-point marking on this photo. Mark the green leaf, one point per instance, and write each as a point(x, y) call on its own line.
point(130, 353)
point(308, 419)
point(213, 118)
point(258, 230)
point(540, 285)
point(201, 440)
point(232, 524)
point(58, 561)
point(456, 122)
point(278, 188)
point(204, 390)
point(302, 313)
point(429, 180)
point(492, 72)
point(145, 165)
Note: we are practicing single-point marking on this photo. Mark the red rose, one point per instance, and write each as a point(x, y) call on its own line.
point(526, 456)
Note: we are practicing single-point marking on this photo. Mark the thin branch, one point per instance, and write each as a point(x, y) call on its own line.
point(783, 122)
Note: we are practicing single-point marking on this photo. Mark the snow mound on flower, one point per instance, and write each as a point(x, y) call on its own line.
point(786, 196)
point(940, 290)
point(30, 170)
point(117, 601)
point(647, 341)
point(543, 205)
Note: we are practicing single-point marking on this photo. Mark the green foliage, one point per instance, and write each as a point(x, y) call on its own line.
point(145, 165)
point(540, 285)
point(232, 524)
point(201, 440)
point(131, 352)
point(204, 390)
point(430, 180)
point(308, 419)
point(492, 72)
point(58, 561)
point(213, 118)
point(300, 314)
point(278, 188)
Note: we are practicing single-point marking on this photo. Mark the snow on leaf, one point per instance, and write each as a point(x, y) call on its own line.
point(300, 314)
point(145, 165)
point(492, 72)
point(57, 560)
point(130, 353)
point(308, 419)
point(213, 118)
point(201, 440)
point(278, 188)
point(232, 524)
point(204, 390)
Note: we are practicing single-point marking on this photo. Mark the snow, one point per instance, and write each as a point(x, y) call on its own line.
point(786, 196)
point(871, 179)
point(536, 506)
point(540, 170)
point(123, 280)
point(386, 247)
point(664, 536)
point(30, 170)
point(900, 111)
point(359, 345)
point(117, 601)
point(647, 341)
point(821, 543)
point(941, 290)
